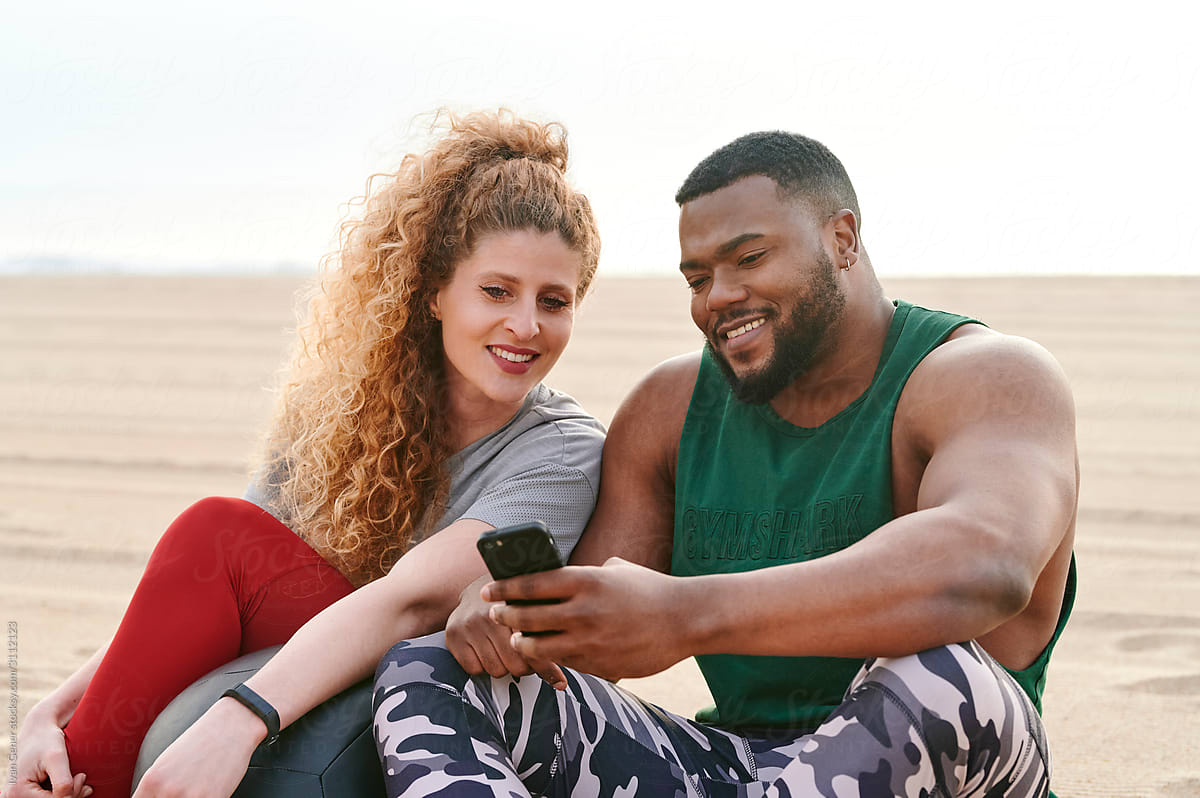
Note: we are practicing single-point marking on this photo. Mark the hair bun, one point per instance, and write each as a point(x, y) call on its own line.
point(501, 135)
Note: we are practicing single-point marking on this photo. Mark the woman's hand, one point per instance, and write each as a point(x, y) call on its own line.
point(483, 646)
point(42, 760)
point(208, 760)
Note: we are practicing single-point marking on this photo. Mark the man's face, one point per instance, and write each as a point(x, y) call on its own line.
point(764, 289)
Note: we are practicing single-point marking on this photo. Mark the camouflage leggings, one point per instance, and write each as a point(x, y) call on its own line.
point(948, 721)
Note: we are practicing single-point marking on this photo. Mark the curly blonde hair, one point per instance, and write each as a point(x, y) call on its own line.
point(360, 439)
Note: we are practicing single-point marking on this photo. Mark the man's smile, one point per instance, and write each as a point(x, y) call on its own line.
point(745, 328)
point(740, 333)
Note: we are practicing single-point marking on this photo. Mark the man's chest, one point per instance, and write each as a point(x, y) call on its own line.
point(763, 503)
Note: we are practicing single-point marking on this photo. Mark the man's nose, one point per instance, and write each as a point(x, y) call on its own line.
point(522, 322)
point(725, 290)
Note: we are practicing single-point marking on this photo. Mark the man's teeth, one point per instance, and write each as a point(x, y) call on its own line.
point(745, 328)
point(511, 356)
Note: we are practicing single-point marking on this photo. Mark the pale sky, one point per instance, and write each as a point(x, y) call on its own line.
point(1029, 139)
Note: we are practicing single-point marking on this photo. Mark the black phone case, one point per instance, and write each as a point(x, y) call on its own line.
point(516, 550)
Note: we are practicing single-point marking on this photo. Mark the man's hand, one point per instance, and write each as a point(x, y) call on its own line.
point(483, 646)
point(620, 620)
point(42, 766)
point(208, 760)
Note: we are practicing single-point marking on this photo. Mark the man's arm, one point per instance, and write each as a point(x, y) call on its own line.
point(994, 417)
point(635, 510)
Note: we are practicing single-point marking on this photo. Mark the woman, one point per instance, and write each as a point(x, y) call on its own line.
point(413, 407)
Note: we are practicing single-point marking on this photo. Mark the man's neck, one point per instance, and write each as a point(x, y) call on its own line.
point(844, 371)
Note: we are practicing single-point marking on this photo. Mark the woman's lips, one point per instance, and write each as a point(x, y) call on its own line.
point(512, 359)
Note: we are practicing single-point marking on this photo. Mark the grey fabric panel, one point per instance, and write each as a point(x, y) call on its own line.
point(559, 496)
point(544, 464)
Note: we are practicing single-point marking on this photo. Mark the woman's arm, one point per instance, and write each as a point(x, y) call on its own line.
point(337, 648)
point(343, 644)
point(41, 747)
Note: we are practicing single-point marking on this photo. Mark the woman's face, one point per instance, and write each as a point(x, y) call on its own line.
point(507, 315)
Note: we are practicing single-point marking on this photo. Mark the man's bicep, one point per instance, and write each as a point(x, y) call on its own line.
point(1020, 493)
point(635, 511)
point(1002, 455)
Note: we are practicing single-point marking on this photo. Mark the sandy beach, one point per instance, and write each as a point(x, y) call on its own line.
point(124, 399)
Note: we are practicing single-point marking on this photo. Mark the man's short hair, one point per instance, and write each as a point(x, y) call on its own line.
point(800, 166)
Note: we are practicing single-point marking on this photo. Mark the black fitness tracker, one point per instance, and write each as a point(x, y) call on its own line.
point(259, 706)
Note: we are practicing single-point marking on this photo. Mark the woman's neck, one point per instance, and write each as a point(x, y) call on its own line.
point(474, 417)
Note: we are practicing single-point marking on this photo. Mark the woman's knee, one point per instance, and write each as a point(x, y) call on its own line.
point(216, 510)
point(189, 540)
point(207, 520)
point(214, 529)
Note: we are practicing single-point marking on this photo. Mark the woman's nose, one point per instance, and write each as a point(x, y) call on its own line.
point(522, 322)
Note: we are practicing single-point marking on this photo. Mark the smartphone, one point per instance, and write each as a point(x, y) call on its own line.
point(519, 549)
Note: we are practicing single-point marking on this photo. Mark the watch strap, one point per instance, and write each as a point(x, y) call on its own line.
point(259, 706)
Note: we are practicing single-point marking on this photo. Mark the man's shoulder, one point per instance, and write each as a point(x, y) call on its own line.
point(978, 374)
point(674, 374)
point(650, 419)
point(980, 354)
point(665, 392)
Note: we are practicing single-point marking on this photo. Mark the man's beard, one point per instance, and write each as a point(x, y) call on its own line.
point(798, 341)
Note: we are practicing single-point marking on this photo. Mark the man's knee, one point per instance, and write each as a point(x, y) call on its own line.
point(958, 696)
point(949, 716)
point(419, 693)
point(422, 660)
point(950, 682)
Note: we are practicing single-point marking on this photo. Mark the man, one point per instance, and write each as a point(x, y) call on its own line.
point(835, 478)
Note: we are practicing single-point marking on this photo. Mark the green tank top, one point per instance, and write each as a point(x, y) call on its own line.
point(753, 490)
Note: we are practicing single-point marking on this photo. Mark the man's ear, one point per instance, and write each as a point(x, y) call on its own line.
point(844, 227)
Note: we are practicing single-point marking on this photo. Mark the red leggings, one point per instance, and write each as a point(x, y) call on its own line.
point(225, 579)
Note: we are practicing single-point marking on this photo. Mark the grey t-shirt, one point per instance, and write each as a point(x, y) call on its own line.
point(544, 464)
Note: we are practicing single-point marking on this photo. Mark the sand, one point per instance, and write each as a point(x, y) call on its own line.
point(123, 399)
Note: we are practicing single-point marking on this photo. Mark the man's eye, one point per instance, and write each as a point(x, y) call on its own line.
point(751, 258)
point(696, 283)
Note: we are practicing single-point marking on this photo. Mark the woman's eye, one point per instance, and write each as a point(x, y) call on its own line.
point(554, 303)
point(494, 291)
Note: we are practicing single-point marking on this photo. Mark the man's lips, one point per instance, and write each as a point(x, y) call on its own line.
point(732, 330)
